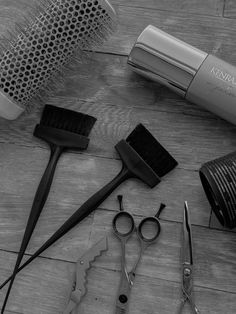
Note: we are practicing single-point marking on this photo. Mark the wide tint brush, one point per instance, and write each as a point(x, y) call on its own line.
point(142, 157)
point(62, 129)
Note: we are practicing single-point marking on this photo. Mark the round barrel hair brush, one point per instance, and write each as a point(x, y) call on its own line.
point(45, 45)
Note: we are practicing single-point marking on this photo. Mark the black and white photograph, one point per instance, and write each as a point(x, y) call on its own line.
point(117, 156)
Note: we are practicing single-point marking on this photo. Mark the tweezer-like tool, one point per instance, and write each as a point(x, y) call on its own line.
point(82, 266)
point(187, 264)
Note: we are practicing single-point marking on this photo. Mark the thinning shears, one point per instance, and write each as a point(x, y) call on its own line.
point(187, 264)
point(147, 231)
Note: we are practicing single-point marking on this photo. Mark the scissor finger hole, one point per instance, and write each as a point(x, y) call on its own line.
point(123, 224)
point(149, 229)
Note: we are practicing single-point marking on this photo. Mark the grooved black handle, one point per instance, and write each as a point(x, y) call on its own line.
point(90, 205)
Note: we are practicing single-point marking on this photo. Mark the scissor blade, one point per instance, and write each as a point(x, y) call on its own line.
point(120, 310)
point(180, 307)
point(84, 263)
point(70, 307)
point(194, 308)
point(187, 253)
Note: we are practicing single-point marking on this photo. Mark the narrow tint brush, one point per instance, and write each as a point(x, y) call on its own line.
point(142, 157)
point(61, 129)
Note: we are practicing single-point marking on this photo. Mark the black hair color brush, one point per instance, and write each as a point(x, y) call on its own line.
point(142, 157)
point(61, 129)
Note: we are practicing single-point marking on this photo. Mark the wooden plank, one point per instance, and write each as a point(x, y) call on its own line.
point(120, 99)
point(195, 29)
point(108, 80)
point(209, 7)
point(176, 129)
point(44, 288)
point(14, 217)
point(230, 9)
point(179, 186)
point(211, 34)
point(77, 178)
point(214, 223)
point(213, 252)
point(15, 208)
point(13, 8)
point(45, 285)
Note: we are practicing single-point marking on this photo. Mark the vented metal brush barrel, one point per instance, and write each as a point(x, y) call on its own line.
point(219, 182)
point(40, 51)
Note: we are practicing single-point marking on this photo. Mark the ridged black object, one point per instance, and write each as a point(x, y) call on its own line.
point(218, 178)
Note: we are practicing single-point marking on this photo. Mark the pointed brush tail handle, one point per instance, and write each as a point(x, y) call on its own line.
point(36, 209)
point(39, 201)
point(45, 184)
point(90, 205)
point(37, 206)
point(8, 293)
point(6, 281)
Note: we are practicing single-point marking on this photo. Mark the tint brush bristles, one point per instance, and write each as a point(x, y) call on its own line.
point(61, 129)
point(142, 157)
point(151, 151)
point(68, 120)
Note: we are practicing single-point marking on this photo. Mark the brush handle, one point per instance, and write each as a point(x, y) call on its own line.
point(36, 209)
point(40, 199)
point(90, 205)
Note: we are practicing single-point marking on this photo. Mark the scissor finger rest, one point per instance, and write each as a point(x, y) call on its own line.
point(123, 224)
point(149, 229)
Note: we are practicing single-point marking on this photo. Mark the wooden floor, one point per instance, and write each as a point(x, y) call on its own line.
point(109, 90)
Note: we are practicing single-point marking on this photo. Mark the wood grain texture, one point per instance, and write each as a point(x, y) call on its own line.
point(158, 270)
point(79, 176)
point(106, 88)
point(211, 7)
point(108, 92)
point(160, 296)
point(162, 260)
point(195, 29)
point(230, 9)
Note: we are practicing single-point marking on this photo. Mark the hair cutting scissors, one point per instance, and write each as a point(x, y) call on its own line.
point(187, 264)
point(147, 231)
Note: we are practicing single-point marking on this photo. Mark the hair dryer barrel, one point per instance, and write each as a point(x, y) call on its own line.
point(197, 76)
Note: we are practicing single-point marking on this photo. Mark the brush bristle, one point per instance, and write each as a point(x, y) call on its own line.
point(151, 151)
point(67, 120)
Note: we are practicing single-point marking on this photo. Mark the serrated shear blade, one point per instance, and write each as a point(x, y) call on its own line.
point(187, 253)
point(120, 310)
point(95, 250)
point(82, 266)
point(70, 307)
